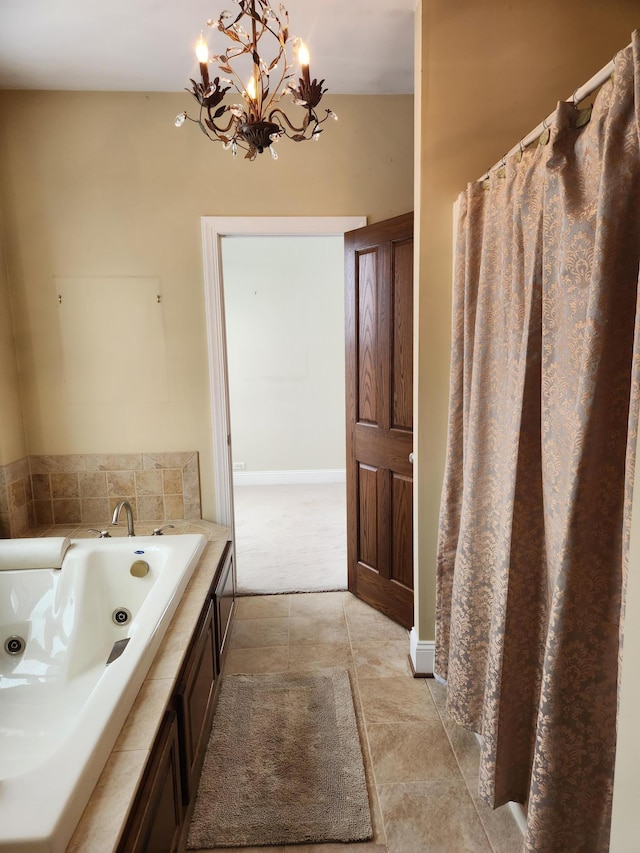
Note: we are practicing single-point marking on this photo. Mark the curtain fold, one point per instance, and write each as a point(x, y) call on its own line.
point(536, 499)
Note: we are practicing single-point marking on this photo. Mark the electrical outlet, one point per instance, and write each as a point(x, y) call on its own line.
point(239, 466)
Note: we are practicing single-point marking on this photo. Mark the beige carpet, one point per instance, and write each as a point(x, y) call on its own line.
point(290, 538)
point(283, 764)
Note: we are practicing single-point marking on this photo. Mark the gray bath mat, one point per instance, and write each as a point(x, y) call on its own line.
point(283, 764)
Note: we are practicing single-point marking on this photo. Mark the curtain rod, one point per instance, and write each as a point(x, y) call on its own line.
point(580, 94)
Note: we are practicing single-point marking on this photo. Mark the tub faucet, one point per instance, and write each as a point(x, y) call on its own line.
point(129, 512)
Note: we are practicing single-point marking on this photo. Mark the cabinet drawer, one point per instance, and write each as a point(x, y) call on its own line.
point(158, 810)
point(194, 698)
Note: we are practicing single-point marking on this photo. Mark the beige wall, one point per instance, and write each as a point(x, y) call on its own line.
point(12, 438)
point(489, 73)
point(103, 184)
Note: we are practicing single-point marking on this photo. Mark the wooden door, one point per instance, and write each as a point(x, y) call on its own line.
point(379, 406)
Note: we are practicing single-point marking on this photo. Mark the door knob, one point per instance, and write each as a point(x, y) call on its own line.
point(411, 457)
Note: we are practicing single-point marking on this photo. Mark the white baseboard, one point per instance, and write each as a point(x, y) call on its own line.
point(520, 815)
point(288, 478)
point(422, 653)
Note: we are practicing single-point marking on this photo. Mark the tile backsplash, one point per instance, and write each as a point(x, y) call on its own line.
point(39, 491)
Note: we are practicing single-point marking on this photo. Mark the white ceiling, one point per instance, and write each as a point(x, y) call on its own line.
point(358, 46)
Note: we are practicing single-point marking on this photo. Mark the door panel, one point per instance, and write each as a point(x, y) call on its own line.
point(367, 338)
point(379, 358)
point(367, 515)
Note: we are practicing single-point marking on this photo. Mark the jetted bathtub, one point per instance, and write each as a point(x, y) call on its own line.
point(62, 704)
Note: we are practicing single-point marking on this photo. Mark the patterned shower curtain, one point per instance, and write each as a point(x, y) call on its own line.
point(536, 500)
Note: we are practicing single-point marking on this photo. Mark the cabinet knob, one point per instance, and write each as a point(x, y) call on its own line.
point(411, 457)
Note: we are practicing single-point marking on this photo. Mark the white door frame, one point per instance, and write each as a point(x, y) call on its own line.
point(214, 228)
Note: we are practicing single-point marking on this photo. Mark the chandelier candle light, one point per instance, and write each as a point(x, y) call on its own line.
point(260, 120)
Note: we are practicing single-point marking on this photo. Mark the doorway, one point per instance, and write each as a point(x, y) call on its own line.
point(280, 366)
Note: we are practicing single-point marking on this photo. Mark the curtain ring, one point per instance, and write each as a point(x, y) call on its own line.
point(574, 99)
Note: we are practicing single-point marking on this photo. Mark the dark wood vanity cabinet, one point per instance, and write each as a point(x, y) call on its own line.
point(170, 782)
point(194, 700)
point(224, 596)
point(157, 816)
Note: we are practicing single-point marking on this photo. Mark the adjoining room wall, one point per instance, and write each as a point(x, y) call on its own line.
point(284, 310)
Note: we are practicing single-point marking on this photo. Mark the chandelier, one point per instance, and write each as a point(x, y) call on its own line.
point(256, 66)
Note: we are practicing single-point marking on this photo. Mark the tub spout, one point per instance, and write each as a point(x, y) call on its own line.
point(129, 512)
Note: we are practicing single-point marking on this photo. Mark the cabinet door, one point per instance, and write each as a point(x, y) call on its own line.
point(194, 699)
point(157, 813)
point(225, 598)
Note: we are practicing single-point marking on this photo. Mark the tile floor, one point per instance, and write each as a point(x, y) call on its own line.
point(421, 767)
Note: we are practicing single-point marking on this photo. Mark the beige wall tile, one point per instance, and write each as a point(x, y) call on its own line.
point(150, 507)
point(66, 463)
point(18, 470)
point(95, 510)
point(41, 486)
point(121, 483)
point(17, 495)
point(114, 461)
point(93, 484)
point(173, 506)
point(43, 512)
point(148, 483)
point(167, 460)
point(191, 481)
point(92, 478)
point(19, 521)
point(65, 485)
point(172, 481)
point(192, 509)
point(67, 511)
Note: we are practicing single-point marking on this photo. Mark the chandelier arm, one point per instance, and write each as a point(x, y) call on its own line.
point(286, 118)
point(225, 129)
